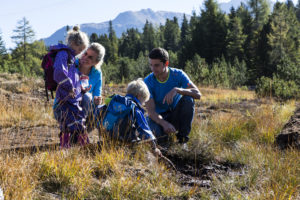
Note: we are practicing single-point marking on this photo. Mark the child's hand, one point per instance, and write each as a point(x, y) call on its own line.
point(97, 100)
point(72, 93)
point(84, 90)
point(157, 152)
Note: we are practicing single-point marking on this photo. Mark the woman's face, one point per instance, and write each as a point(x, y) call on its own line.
point(88, 58)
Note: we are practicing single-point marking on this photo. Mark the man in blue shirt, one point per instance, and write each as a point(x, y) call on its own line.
point(172, 94)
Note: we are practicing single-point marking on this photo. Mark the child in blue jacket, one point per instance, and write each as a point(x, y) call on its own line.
point(124, 116)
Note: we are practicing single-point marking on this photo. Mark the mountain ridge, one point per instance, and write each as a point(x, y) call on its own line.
point(124, 21)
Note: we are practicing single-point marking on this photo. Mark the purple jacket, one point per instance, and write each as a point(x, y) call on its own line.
point(67, 77)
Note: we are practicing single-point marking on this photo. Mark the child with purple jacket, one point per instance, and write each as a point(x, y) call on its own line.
point(67, 110)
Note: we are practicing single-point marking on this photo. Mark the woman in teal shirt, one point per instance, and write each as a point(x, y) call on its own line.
point(89, 64)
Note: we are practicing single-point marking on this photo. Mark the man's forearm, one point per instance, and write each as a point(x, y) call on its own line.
point(157, 118)
point(189, 92)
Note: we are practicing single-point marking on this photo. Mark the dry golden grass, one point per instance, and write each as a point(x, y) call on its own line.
point(25, 113)
point(244, 140)
point(215, 95)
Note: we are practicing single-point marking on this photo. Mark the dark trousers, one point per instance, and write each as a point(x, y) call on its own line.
point(181, 118)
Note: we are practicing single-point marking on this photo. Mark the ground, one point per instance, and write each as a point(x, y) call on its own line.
point(26, 121)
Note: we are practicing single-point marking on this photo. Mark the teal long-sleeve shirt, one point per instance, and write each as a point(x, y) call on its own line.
point(95, 80)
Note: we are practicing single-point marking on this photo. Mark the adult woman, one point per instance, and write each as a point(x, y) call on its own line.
point(89, 64)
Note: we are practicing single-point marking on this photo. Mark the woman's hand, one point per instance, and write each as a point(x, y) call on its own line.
point(97, 100)
point(84, 90)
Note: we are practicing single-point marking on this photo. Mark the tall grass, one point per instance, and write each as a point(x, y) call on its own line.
point(241, 140)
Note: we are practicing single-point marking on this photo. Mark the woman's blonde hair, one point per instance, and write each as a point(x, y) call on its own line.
point(138, 88)
point(77, 37)
point(100, 50)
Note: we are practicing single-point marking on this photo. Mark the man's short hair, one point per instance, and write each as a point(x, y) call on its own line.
point(159, 53)
point(138, 88)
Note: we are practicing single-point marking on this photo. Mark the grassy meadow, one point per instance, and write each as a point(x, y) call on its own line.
point(233, 136)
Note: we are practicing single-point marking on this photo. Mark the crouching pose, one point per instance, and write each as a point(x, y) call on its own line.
point(123, 116)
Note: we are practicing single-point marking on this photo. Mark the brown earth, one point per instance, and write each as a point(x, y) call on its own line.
point(290, 134)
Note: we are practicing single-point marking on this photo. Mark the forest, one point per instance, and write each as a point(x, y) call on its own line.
point(252, 47)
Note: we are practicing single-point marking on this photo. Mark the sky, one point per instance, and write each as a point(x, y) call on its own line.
point(45, 17)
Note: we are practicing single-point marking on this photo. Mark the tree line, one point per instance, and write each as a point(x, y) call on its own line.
point(249, 46)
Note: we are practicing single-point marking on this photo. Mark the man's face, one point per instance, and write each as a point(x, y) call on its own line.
point(89, 58)
point(157, 66)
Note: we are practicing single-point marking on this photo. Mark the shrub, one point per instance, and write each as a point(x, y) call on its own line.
point(278, 88)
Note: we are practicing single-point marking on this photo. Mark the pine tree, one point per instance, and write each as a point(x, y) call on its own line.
point(24, 34)
point(185, 39)
point(260, 10)
point(130, 43)
point(172, 35)
point(94, 37)
point(278, 38)
point(160, 38)
point(235, 37)
point(298, 10)
point(284, 38)
point(113, 44)
point(209, 36)
point(2, 46)
point(104, 40)
point(148, 37)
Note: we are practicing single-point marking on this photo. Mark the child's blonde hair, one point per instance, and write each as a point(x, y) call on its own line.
point(138, 88)
point(77, 37)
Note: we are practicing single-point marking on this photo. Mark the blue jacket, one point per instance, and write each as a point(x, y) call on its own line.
point(138, 119)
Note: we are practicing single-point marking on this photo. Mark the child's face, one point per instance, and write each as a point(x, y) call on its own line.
point(78, 49)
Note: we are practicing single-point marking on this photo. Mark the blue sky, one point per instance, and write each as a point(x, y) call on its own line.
point(46, 17)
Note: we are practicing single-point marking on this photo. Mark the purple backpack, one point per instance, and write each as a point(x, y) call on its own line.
point(47, 65)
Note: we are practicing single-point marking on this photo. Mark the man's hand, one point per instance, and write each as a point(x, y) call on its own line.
point(168, 127)
point(169, 97)
point(97, 100)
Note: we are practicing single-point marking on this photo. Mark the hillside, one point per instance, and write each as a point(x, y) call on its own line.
point(121, 23)
point(230, 154)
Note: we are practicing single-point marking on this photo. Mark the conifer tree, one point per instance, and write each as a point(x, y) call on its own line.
point(298, 10)
point(130, 43)
point(2, 46)
point(149, 37)
point(284, 39)
point(235, 37)
point(113, 44)
point(104, 40)
point(260, 10)
point(209, 36)
point(185, 39)
point(24, 34)
point(94, 37)
point(172, 35)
